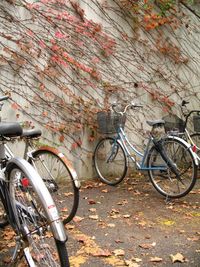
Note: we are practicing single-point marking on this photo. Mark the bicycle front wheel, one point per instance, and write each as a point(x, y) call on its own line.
point(196, 139)
point(40, 247)
point(56, 172)
point(162, 177)
point(110, 161)
point(3, 216)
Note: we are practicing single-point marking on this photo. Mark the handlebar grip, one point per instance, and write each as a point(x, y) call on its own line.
point(136, 106)
point(5, 97)
point(184, 103)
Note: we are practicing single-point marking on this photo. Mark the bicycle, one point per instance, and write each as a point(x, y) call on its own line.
point(56, 171)
point(30, 209)
point(169, 160)
point(178, 126)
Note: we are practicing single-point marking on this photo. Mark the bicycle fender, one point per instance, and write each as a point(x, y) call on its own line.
point(44, 196)
point(195, 157)
point(66, 161)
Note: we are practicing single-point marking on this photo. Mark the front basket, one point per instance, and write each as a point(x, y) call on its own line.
point(109, 122)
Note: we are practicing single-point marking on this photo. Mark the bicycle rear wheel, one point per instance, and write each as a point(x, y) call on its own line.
point(110, 161)
point(58, 176)
point(161, 176)
point(39, 244)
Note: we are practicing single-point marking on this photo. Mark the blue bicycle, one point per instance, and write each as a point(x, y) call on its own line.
point(169, 160)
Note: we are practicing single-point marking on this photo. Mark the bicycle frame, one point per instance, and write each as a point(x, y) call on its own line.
point(126, 144)
point(186, 132)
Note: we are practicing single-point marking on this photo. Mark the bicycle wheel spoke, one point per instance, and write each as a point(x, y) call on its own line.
point(169, 184)
point(110, 161)
point(38, 242)
point(59, 181)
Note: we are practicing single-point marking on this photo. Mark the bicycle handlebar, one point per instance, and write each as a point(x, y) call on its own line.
point(5, 97)
point(131, 105)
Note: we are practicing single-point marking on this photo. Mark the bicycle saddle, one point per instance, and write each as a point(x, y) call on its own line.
point(33, 133)
point(156, 123)
point(10, 129)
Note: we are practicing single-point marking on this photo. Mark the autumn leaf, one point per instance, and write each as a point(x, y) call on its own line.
point(129, 263)
point(155, 259)
point(177, 258)
point(102, 253)
point(119, 252)
point(78, 219)
point(93, 210)
point(127, 216)
point(112, 225)
point(15, 106)
point(147, 246)
point(91, 201)
point(61, 138)
point(94, 217)
point(104, 191)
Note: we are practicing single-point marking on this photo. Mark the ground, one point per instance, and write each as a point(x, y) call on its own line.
point(132, 225)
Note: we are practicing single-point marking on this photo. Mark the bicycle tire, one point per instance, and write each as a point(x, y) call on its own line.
point(3, 217)
point(110, 161)
point(63, 187)
point(41, 245)
point(165, 181)
point(196, 139)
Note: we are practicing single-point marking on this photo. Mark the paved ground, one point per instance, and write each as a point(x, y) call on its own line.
point(132, 225)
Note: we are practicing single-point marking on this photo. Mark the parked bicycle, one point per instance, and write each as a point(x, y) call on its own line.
point(30, 209)
point(56, 171)
point(179, 126)
point(169, 160)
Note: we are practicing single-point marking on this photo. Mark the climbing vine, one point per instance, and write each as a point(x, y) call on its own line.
point(62, 61)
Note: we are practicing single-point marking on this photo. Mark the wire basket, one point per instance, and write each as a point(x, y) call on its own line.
point(196, 123)
point(173, 123)
point(109, 122)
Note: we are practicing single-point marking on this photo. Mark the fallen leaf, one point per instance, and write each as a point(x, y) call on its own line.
point(93, 210)
point(91, 201)
point(102, 253)
point(78, 219)
point(177, 258)
point(112, 225)
point(168, 222)
point(136, 259)
point(127, 216)
point(155, 259)
point(147, 246)
point(123, 202)
point(119, 252)
point(82, 239)
point(119, 241)
point(68, 194)
point(104, 191)
point(94, 217)
point(129, 263)
point(194, 238)
point(64, 210)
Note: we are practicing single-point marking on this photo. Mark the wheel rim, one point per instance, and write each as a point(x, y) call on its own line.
point(32, 222)
point(59, 182)
point(165, 181)
point(110, 161)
